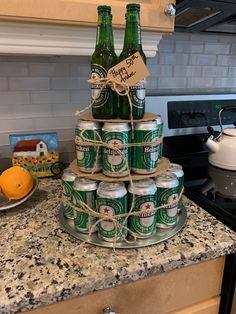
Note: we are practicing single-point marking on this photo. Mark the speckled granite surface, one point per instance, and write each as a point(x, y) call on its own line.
point(41, 264)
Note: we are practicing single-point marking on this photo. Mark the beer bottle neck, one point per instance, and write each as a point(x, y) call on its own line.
point(104, 38)
point(132, 39)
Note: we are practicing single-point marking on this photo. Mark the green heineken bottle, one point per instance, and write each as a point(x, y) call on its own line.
point(132, 44)
point(105, 101)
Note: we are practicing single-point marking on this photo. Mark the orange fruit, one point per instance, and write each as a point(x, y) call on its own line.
point(16, 182)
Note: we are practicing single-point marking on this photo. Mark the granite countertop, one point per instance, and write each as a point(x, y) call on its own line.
point(41, 264)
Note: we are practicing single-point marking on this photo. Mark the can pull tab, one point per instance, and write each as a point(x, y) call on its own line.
point(107, 310)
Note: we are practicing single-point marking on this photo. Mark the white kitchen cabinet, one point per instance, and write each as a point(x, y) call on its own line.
point(83, 12)
point(194, 289)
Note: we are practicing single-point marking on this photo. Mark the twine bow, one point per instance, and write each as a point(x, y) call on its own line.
point(121, 89)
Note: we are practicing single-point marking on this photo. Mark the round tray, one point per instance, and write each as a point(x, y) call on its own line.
point(87, 116)
point(163, 165)
point(5, 203)
point(159, 236)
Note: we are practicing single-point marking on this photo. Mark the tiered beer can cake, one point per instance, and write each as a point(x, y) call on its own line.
point(110, 149)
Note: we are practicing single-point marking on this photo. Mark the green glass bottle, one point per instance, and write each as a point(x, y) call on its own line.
point(132, 44)
point(105, 105)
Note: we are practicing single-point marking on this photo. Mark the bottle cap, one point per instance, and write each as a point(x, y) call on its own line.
point(104, 8)
point(133, 6)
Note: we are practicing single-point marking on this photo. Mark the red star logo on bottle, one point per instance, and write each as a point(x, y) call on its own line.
point(148, 206)
point(174, 198)
point(106, 210)
point(93, 77)
point(115, 142)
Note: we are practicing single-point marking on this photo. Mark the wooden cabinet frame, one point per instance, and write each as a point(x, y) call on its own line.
point(85, 12)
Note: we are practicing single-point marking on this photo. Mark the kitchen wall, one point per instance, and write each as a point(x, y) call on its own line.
point(42, 93)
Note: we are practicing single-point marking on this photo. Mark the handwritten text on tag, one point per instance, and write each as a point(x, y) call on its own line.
point(129, 71)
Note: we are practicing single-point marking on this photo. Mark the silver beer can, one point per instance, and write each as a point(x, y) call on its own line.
point(143, 195)
point(84, 192)
point(88, 157)
point(145, 157)
point(68, 178)
point(178, 171)
point(160, 134)
point(167, 193)
point(113, 163)
point(111, 201)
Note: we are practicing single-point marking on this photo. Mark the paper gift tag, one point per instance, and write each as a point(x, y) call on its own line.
point(129, 71)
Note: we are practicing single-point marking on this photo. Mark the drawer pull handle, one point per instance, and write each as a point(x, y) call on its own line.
point(108, 310)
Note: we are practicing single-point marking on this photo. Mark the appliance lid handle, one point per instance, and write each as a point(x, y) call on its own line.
point(231, 108)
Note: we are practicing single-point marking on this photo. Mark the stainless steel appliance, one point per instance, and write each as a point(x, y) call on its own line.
point(185, 120)
point(206, 16)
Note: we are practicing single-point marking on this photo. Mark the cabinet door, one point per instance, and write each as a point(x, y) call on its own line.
point(166, 293)
point(85, 12)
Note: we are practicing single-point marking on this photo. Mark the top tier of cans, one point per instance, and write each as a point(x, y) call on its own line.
point(110, 151)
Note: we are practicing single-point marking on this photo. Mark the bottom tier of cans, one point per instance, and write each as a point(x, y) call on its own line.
point(109, 199)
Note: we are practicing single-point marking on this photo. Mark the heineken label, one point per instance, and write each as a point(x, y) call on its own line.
point(160, 148)
point(160, 129)
point(145, 157)
point(181, 183)
point(111, 207)
point(86, 155)
point(137, 94)
point(99, 97)
point(68, 188)
point(68, 211)
point(113, 160)
point(168, 215)
point(68, 192)
point(83, 221)
point(144, 224)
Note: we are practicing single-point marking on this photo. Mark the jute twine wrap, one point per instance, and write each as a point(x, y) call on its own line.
point(122, 90)
point(114, 219)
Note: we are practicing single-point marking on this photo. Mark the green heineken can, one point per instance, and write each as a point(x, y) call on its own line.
point(68, 178)
point(167, 193)
point(144, 193)
point(145, 158)
point(111, 201)
point(84, 191)
point(178, 171)
point(113, 163)
point(88, 157)
point(160, 134)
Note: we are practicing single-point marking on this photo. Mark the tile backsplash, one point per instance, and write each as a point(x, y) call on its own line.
point(42, 93)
